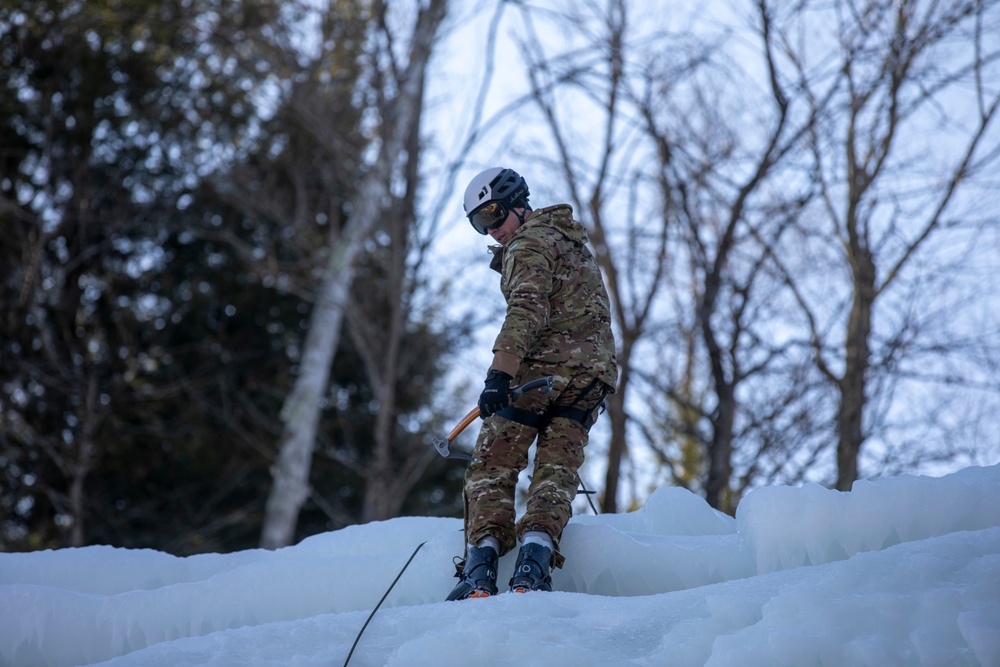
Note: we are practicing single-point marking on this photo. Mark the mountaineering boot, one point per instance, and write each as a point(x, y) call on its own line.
point(532, 570)
point(478, 579)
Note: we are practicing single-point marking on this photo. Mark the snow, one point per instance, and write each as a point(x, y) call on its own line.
point(900, 571)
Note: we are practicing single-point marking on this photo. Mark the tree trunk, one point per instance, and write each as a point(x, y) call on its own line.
point(378, 497)
point(850, 433)
point(301, 411)
point(83, 465)
point(720, 446)
point(720, 451)
point(616, 451)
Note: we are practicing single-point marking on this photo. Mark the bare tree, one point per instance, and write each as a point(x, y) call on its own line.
point(394, 467)
point(691, 261)
point(591, 183)
point(300, 413)
point(888, 191)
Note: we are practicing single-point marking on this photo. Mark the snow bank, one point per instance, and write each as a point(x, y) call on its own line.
point(902, 571)
point(794, 526)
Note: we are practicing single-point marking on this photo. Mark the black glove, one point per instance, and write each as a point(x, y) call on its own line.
point(496, 395)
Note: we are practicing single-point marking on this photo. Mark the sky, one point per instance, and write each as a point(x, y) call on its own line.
point(480, 65)
point(513, 136)
point(900, 571)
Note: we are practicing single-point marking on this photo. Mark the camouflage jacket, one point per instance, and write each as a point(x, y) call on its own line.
point(558, 311)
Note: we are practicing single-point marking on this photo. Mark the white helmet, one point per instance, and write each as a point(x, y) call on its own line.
point(497, 184)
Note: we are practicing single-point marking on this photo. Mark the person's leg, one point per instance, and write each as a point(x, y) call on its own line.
point(558, 457)
point(554, 484)
point(501, 453)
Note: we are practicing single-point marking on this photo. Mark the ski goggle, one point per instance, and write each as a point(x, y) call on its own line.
point(488, 216)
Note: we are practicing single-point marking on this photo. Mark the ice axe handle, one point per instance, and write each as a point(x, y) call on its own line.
point(544, 384)
point(468, 419)
point(442, 445)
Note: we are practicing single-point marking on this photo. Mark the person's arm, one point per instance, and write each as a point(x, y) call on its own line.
point(528, 276)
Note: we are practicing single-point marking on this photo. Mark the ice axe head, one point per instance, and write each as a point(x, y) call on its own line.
point(442, 445)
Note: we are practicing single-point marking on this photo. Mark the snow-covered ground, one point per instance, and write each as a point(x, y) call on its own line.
point(901, 571)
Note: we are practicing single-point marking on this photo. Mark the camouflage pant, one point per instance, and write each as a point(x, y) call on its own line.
point(502, 452)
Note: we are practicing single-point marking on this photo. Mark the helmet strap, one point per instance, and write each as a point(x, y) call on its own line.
point(520, 216)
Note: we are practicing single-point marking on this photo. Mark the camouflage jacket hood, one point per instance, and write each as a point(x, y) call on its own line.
point(558, 311)
point(558, 219)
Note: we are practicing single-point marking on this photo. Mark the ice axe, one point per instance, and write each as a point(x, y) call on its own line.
point(443, 445)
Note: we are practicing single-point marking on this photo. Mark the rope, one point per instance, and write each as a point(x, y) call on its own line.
point(587, 493)
point(389, 590)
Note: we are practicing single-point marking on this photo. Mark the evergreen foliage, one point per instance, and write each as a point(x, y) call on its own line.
point(155, 278)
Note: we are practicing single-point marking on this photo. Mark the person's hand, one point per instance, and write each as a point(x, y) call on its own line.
point(496, 395)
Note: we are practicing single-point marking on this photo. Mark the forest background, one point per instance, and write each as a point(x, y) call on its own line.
point(239, 296)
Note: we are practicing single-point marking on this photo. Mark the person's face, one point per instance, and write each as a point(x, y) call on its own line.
point(503, 233)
